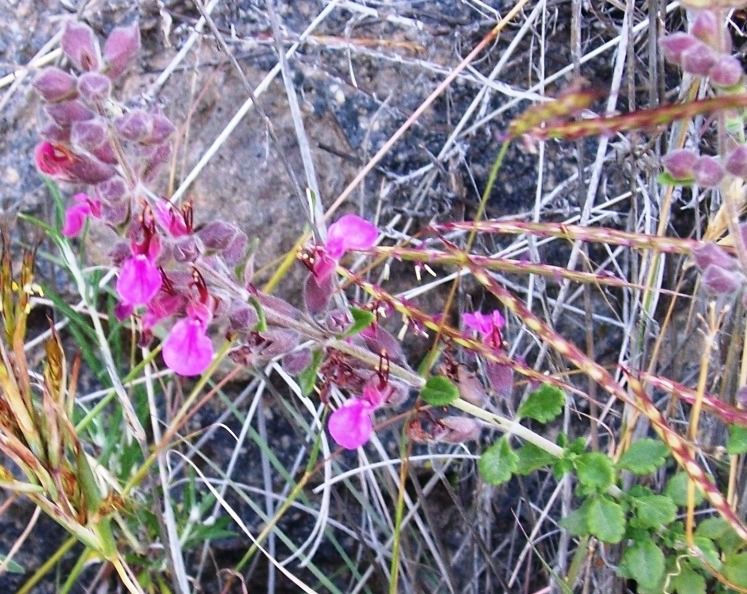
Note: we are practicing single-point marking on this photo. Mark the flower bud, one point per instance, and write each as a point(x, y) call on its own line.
point(295, 362)
point(712, 255)
point(708, 172)
point(236, 250)
point(81, 47)
point(718, 281)
point(736, 162)
point(673, 46)
point(112, 190)
point(242, 318)
point(54, 85)
point(218, 235)
point(187, 248)
point(680, 164)
point(120, 49)
point(135, 126)
point(501, 378)
point(67, 112)
point(317, 293)
point(88, 134)
point(726, 72)
point(470, 387)
point(708, 29)
point(154, 162)
point(699, 59)
point(94, 87)
point(88, 169)
point(161, 130)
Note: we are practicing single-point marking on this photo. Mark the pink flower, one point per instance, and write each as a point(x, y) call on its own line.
point(187, 349)
point(139, 280)
point(351, 425)
point(75, 216)
point(171, 219)
point(349, 232)
point(489, 326)
point(52, 160)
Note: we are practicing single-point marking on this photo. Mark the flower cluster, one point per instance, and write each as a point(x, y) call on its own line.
point(705, 51)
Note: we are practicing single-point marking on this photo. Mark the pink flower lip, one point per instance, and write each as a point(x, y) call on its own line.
point(187, 349)
point(75, 216)
point(351, 425)
point(139, 280)
point(349, 232)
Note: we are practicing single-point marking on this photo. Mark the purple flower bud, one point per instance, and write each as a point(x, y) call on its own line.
point(135, 126)
point(708, 29)
point(673, 46)
point(727, 72)
point(67, 112)
point(218, 235)
point(120, 49)
point(187, 248)
point(94, 87)
point(55, 85)
point(680, 164)
point(155, 161)
point(699, 59)
point(278, 342)
point(712, 255)
point(89, 134)
point(317, 293)
point(295, 362)
point(736, 161)
point(379, 340)
point(89, 170)
point(161, 129)
point(236, 250)
point(708, 172)
point(56, 133)
point(718, 281)
point(242, 318)
point(115, 213)
point(112, 190)
point(81, 47)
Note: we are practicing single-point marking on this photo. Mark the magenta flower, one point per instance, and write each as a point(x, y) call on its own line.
point(187, 349)
point(349, 232)
point(139, 280)
point(489, 326)
point(171, 219)
point(351, 425)
point(75, 216)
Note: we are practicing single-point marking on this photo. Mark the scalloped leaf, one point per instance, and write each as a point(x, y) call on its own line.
point(644, 562)
point(439, 391)
point(643, 456)
point(595, 470)
point(605, 519)
point(498, 462)
point(543, 405)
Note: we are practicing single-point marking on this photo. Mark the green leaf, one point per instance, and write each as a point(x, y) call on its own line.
point(498, 462)
point(644, 562)
point(735, 569)
point(531, 458)
point(676, 490)
point(737, 442)
point(605, 519)
point(307, 378)
point(562, 467)
point(595, 470)
point(713, 528)
point(644, 456)
point(653, 511)
point(666, 179)
point(543, 405)
point(362, 319)
point(688, 581)
point(709, 550)
point(439, 391)
point(576, 523)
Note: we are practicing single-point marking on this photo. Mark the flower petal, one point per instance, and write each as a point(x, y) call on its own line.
point(351, 424)
point(187, 350)
point(139, 280)
point(350, 232)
